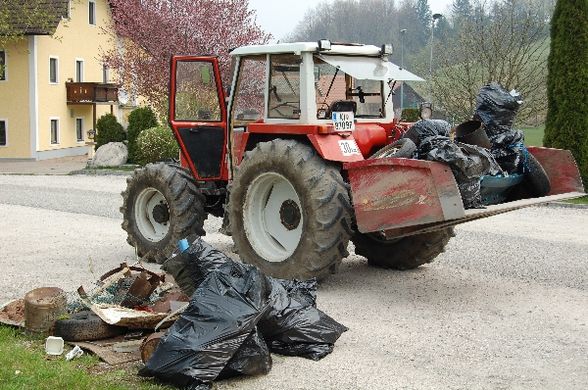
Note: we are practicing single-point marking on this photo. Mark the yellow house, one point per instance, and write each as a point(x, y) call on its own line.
point(53, 83)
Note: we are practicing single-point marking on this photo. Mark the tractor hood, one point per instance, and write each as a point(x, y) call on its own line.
point(369, 68)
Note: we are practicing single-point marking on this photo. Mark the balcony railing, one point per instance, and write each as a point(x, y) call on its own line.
point(90, 93)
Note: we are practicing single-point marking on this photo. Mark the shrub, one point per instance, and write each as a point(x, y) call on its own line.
point(156, 144)
point(108, 130)
point(567, 81)
point(140, 119)
point(410, 114)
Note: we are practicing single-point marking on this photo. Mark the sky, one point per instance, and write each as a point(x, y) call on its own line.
point(280, 17)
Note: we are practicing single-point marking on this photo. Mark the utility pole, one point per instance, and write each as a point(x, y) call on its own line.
point(433, 20)
point(402, 34)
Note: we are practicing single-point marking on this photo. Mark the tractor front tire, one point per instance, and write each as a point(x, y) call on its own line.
point(403, 253)
point(290, 211)
point(161, 205)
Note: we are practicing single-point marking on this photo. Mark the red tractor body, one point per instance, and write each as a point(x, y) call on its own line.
point(286, 156)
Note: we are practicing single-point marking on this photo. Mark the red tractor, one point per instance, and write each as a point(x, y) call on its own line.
point(285, 158)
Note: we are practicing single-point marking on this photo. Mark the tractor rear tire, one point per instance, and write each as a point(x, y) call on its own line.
point(161, 205)
point(403, 253)
point(290, 211)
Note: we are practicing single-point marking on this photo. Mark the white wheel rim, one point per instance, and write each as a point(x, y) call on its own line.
point(152, 226)
point(272, 217)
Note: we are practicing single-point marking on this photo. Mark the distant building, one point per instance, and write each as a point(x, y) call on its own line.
point(53, 84)
point(411, 98)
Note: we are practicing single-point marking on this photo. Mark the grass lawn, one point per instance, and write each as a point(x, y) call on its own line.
point(582, 200)
point(24, 365)
point(534, 135)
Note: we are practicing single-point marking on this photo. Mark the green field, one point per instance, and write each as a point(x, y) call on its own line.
point(534, 135)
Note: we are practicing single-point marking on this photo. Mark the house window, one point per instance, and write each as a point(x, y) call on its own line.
point(2, 65)
point(3, 135)
point(79, 71)
point(54, 131)
point(53, 70)
point(92, 13)
point(80, 129)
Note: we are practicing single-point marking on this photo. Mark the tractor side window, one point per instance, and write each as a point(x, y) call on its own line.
point(284, 86)
point(196, 97)
point(248, 105)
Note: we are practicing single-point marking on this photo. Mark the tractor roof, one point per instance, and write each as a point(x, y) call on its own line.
point(299, 47)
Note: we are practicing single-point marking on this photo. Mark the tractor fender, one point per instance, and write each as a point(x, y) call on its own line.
point(334, 147)
point(350, 147)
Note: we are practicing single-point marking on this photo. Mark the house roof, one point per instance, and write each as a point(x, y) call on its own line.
point(31, 17)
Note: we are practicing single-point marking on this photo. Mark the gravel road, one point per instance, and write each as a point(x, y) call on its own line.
point(505, 307)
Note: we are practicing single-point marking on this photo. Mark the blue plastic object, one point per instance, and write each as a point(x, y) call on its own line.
point(494, 189)
point(183, 245)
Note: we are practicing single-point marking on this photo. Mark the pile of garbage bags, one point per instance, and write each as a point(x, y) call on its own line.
point(496, 111)
point(235, 318)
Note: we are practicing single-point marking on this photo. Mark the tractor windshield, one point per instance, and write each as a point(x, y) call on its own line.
point(336, 88)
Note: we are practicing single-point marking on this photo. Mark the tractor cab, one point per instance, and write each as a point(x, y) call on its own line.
point(309, 89)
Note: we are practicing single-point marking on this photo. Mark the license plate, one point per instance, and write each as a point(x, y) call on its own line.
point(343, 121)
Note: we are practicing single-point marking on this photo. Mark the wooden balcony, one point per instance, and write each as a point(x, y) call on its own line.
point(91, 93)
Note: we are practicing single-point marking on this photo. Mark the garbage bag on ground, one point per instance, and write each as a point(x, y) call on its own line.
point(222, 314)
point(294, 326)
point(467, 162)
point(427, 128)
point(252, 358)
point(497, 108)
point(235, 318)
point(190, 267)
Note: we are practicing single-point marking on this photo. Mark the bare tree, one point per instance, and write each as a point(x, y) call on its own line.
point(504, 41)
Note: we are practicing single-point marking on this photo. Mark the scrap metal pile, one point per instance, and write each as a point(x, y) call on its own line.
point(224, 318)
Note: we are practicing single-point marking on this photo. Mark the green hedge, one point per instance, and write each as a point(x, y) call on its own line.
point(156, 144)
point(410, 114)
point(140, 119)
point(108, 130)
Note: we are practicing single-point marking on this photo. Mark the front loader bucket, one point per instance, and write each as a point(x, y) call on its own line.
point(402, 197)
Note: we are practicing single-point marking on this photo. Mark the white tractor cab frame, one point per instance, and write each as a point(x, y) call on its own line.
point(306, 80)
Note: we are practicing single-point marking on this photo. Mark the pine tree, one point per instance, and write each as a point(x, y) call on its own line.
point(423, 12)
point(461, 9)
point(567, 83)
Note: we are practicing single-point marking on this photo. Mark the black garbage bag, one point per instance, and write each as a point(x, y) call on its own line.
point(222, 315)
point(190, 267)
point(467, 162)
point(293, 325)
point(509, 150)
point(497, 108)
point(252, 358)
point(268, 314)
point(427, 128)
